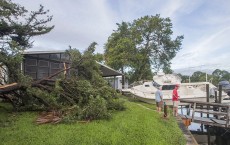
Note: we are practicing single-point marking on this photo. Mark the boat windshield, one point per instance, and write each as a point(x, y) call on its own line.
point(156, 84)
point(168, 87)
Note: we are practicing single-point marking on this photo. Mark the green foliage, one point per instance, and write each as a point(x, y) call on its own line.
point(216, 76)
point(220, 75)
point(184, 78)
point(145, 44)
point(17, 26)
point(198, 76)
point(99, 57)
point(39, 99)
point(95, 109)
point(6, 117)
point(91, 92)
point(85, 88)
point(116, 104)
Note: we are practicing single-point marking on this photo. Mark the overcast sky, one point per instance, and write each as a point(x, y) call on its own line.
point(205, 25)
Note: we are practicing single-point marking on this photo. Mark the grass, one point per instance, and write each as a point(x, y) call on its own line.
point(134, 126)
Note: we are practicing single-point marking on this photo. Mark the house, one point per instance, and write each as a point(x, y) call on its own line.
point(41, 64)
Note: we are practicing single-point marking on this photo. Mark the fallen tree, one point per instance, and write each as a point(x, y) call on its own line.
point(83, 89)
point(82, 94)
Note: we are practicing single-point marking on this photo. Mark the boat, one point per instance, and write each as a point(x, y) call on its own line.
point(188, 91)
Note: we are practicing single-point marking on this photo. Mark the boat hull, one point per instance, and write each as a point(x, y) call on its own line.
point(149, 98)
point(170, 102)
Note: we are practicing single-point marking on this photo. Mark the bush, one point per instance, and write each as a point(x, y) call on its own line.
point(95, 109)
point(116, 104)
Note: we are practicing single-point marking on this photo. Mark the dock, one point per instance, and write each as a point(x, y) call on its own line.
point(221, 113)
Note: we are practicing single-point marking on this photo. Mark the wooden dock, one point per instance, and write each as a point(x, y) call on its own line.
point(220, 111)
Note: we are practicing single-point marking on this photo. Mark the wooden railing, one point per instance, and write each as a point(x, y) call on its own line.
point(204, 107)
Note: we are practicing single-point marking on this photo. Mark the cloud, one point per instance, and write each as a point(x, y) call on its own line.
point(204, 24)
point(206, 29)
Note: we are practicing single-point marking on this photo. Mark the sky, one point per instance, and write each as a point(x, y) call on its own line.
point(205, 25)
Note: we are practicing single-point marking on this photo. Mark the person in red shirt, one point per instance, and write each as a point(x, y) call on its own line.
point(175, 99)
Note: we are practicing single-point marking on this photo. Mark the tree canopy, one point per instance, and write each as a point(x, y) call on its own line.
point(215, 77)
point(17, 26)
point(144, 45)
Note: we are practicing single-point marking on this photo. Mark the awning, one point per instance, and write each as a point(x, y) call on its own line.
point(108, 72)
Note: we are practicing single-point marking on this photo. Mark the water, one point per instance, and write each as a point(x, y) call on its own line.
point(203, 133)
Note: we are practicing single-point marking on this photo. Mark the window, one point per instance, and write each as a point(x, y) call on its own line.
point(156, 84)
point(31, 62)
point(44, 56)
point(54, 65)
point(43, 63)
point(55, 56)
point(168, 87)
point(32, 55)
point(31, 69)
point(43, 70)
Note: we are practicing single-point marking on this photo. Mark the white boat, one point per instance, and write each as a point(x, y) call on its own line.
point(188, 91)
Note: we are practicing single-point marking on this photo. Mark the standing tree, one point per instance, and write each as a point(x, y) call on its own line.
point(120, 49)
point(143, 45)
point(17, 26)
point(198, 76)
point(220, 75)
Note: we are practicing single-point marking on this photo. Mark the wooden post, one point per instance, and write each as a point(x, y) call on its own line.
point(216, 97)
point(194, 109)
point(207, 92)
point(201, 114)
point(123, 81)
point(207, 95)
point(208, 135)
point(202, 127)
point(181, 111)
point(220, 98)
point(220, 93)
point(189, 110)
point(114, 82)
point(214, 107)
point(228, 116)
point(165, 110)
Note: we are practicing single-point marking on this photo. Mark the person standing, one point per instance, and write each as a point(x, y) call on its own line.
point(159, 99)
point(175, 99)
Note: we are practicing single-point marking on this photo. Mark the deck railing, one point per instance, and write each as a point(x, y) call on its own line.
point(217, 109)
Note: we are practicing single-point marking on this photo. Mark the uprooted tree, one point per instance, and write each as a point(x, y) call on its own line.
point(80, 94)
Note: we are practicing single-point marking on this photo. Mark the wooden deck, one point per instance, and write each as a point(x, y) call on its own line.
point(222, 115)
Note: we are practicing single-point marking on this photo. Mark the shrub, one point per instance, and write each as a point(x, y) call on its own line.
point(115, 104)
point(95, 109)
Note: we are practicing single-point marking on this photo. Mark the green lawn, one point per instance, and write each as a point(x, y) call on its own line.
point(134, 126)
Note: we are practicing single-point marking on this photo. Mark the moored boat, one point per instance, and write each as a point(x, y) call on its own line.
point(190, 91)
